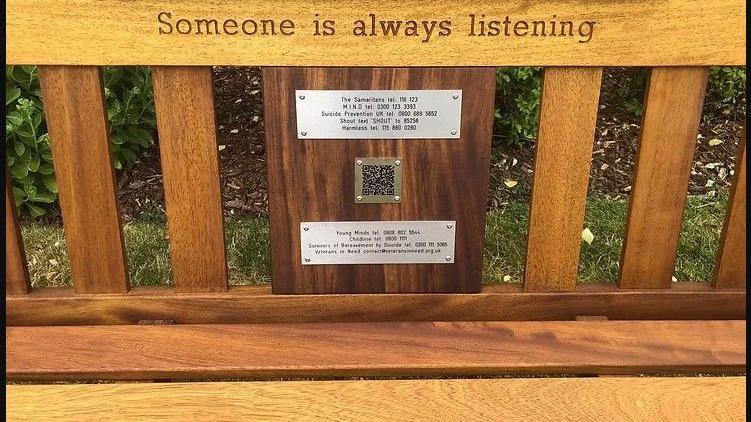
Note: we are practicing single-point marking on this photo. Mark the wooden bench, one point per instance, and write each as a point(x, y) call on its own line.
point(603, 351)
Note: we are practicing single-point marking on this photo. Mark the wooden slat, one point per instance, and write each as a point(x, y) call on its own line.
point(568, 113)
point(633, 33)
point(374, 349)
point(257, 305)
point(516, 399)
point(190, 162)
point(77, 124)
point(16, 271)
point(672, 111)
point(730, 271)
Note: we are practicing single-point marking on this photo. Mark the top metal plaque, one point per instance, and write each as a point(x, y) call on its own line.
point(379, 114)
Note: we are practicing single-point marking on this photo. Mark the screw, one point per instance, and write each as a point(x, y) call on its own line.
point(359, 198)
point(397, 198)
point(398, 162)
point(448, 258)
point(456, 96)
point(303, 133)
point(307, 259)
point(358, 162)
point(449, 226)
point(453, 132)
point(302, 97)
point(306, 228)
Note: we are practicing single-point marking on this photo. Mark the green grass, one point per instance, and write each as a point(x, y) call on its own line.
point(147, 246)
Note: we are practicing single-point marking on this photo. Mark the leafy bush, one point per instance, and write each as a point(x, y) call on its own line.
point(628, 92)
point(517, 104)
point(132, 121)
point(726, 92)
point(518, 98)
point(27, 145)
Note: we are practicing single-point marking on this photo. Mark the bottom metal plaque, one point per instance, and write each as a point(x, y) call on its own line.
point(377, 242)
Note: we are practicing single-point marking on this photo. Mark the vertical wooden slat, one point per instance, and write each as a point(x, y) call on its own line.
point(77, 124)
point(16, 272)
point(568, 114)
point(190, 163)
point(730, 272)
point(672, 110)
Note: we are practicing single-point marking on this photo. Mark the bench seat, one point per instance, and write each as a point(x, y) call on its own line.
point(520, 399)
point(132, 352)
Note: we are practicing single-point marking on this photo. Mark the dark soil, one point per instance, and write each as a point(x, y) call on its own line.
point(239, 114)
point(238, 99)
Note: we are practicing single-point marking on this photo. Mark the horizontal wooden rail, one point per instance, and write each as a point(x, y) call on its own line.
point(355, 33)
point(524, 399)
point(374, 349)
point(257, 304)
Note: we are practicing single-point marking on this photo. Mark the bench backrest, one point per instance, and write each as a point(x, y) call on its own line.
point(679, 39)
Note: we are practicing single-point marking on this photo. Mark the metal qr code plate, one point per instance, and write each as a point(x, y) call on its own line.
point(378, 180)
point(377, 242)
point(378, 114)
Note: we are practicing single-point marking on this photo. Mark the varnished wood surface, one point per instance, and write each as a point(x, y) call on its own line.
point(374, 349)
point(563, 151)
point(521, 399)
point(313, 180)
point(16, 271)
point(730, 270)
point(258, 305)
point(672, 111)
point(633, 33)
point(184, 99)
point(75, 115)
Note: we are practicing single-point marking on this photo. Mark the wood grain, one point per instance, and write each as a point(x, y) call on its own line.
point(568, 113)
point(672, 111)
point(521, 399)
point(442, 179)
point(77, 123)
point(730, 270)
point(374, 349)
point(184, 98)
point(247, 305)
point(634, 33)
point(16, 271)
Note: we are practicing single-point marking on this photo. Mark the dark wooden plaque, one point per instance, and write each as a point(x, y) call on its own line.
point(313, 180)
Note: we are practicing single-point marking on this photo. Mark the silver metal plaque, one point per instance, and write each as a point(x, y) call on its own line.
point(377, 242)
point(378, 180)
point(379, 114)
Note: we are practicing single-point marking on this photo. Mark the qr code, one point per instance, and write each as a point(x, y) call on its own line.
point(378, 179)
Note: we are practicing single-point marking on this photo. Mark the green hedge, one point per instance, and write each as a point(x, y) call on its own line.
point(518, 98)
point(132, 123)
point(517, 104)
